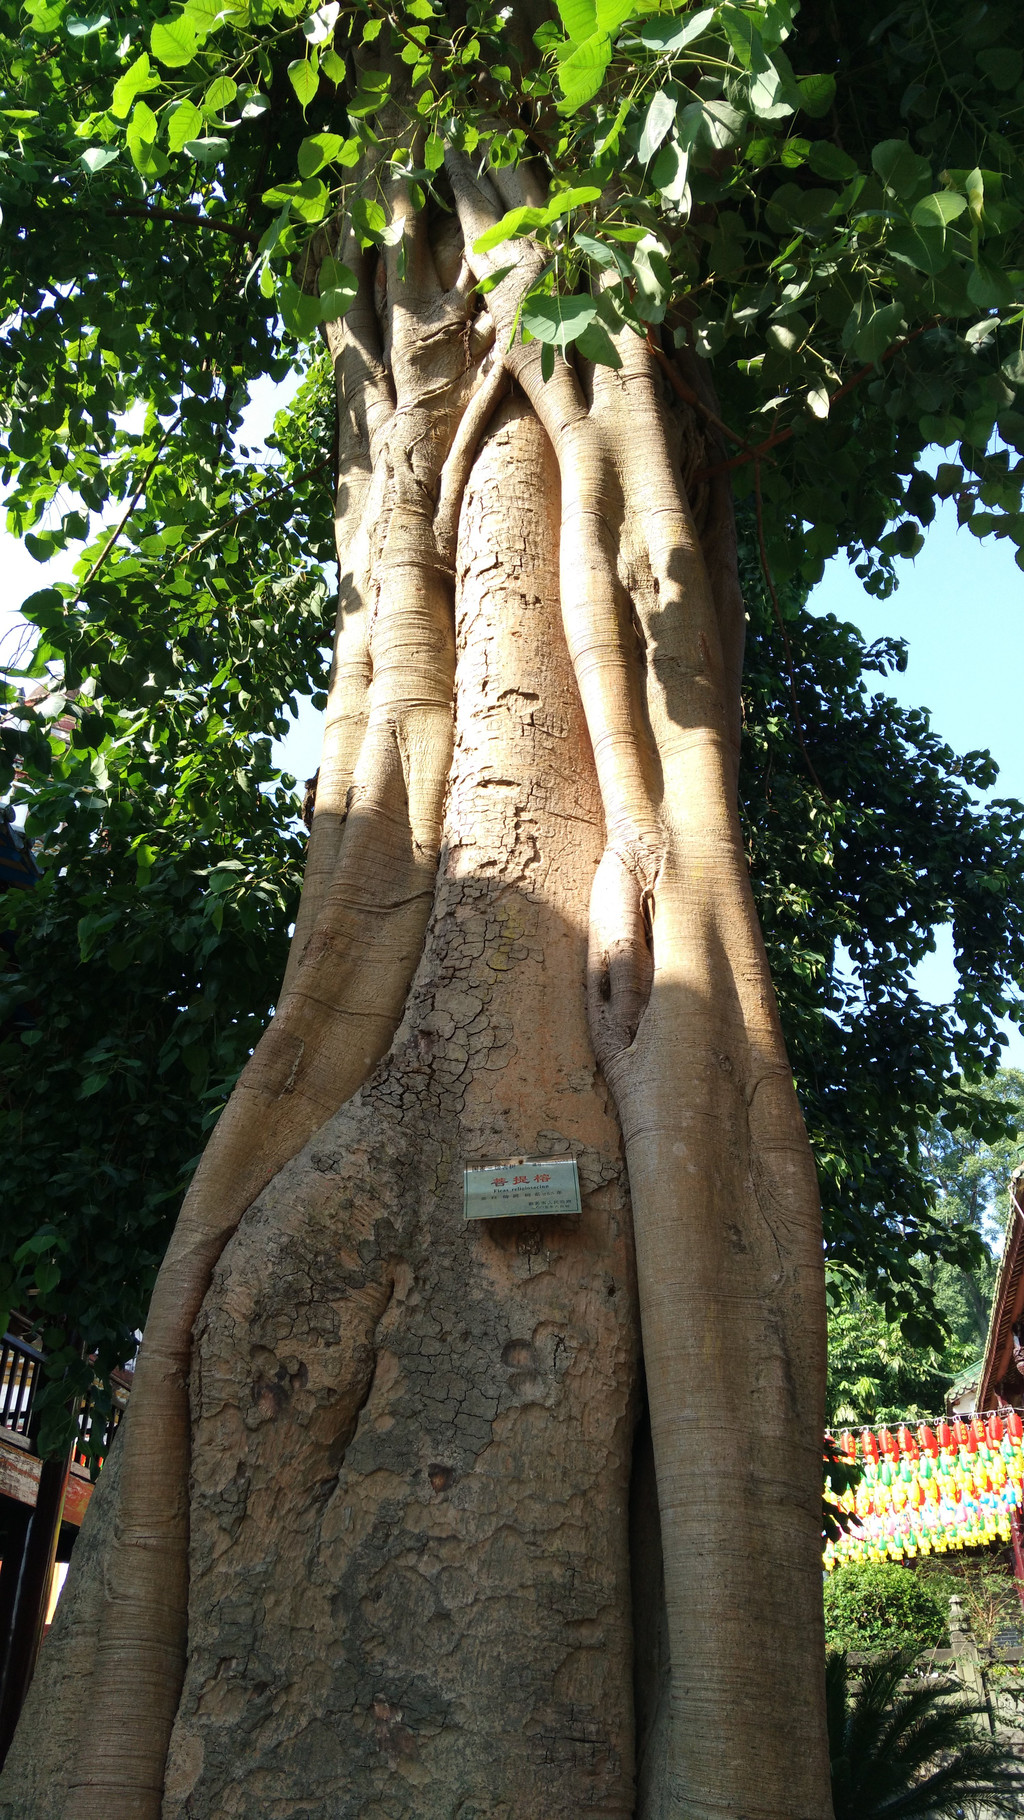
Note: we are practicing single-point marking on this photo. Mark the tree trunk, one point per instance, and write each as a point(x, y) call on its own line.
point(441, 1559)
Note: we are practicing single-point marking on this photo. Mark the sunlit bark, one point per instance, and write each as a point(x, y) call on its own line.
point(419, 1581)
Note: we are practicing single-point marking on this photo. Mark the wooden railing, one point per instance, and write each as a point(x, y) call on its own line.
point(20, 1377)
point(20, 1370)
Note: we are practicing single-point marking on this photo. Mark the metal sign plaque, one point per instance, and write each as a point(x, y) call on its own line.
point(524, 1186)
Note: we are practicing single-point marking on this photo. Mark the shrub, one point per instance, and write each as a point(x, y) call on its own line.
point(901, 1746)
point(881, 1606)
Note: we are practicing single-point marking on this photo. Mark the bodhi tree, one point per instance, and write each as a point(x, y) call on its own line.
point(409, 1516)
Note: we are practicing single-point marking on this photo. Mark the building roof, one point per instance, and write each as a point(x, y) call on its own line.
point(999, 1379)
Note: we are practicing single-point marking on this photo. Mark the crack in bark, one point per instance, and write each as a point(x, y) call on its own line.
point(655, 648)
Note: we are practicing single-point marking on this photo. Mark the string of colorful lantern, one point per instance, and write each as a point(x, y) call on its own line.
point(928, 1490)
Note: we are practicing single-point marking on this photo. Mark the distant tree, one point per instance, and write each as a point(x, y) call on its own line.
point(971, 1177)
point(879, 1365)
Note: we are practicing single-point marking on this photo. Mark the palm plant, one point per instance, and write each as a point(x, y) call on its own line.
point(910, 1753)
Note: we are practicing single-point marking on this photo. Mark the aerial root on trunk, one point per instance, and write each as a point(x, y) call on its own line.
point(494, 383)
point(620, 965)
point(681, 1009)
point(355, 957)
point(731, 1300)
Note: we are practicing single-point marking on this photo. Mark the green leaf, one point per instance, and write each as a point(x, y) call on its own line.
point(653, 283)
point(974, 184)
point(743, 35)
point(308, 199)
point(771, 96)
point(817, 94)
point(316, 151)
point(660, 115)
point(581, 75)
point(47, 1275)
point(1012, 368)
point(77, 27)
point(174, 41)
point(91, 926)
point(675, 34)
point(924, 248)
point(304, 79)
point(206, 16)
point(319, 26)
point(98, 156)
point(433, 152)
point(566, 200)
point(613, 13)
point(185, 122)
point(878, 331)
point(369, 219)
point(989, 286)
point(611, 137)
point(938, 209)
point(579, 17)
point(558, 320)
point(609, 258)
point(137, 80)
point(141, 138)
point(826, 160)
point(948, 477)
point(1002, 66)
point(144, 121)
point(596, 344)
point(709, 127)
point(900, 168)
point(207, 151)
point(220, 94)
point(332, 65)
point(338, 288)
point(36, 1245)
point(513, 225)
point(372, 93)
point(669, 173)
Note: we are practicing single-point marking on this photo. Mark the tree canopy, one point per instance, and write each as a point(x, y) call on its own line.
point(823, 209)
point(876, 1371)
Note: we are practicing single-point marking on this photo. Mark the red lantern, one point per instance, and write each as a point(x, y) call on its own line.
point(960, 1432)
point(908, 1445)
point(994, 1431)
point(887, 1444)
point(848, 1447)
point(929, 1444)
point(945, 1435)
point(870, 1445)
point(978, 1428)
point(1014, 1426)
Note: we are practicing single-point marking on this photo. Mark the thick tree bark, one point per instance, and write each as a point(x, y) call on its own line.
point(440, 1562)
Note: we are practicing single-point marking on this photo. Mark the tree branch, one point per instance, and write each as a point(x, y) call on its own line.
point(761, 449)
point(690, 397)
point(177, 217)
point(129, 509)
point(292, 480)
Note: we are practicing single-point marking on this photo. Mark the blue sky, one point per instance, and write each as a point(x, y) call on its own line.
point(959, 606)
